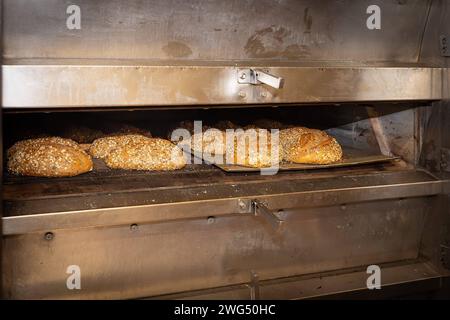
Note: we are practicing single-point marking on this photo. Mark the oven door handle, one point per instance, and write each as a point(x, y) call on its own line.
point(260, 209)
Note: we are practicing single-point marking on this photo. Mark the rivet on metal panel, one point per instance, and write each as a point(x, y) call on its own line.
point(445, 46)
point(242, 94)
point(134, 227)
point(49, 236)
point(211, 220)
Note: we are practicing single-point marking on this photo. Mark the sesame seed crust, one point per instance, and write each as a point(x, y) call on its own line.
point(48, 157)
point(256, 148)
point(309, 146)
point(149, 154)
point(102, 147)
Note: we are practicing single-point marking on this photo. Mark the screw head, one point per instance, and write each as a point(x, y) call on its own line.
point(49, 236)
point(242, 94)
point(243, 76)
point(134, 227)
point(211, 220)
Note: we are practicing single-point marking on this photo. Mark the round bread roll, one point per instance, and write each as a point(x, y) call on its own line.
point(256, 148)
point(188, 125)
point(149, 154)
point(39, 141)
point(126, 129)
point(251, 147)
point(210, 142)
point(82, 134)
point(102, 147)
point(48, 157)
point(269, 124)
point(309, 146)
point(226, 124)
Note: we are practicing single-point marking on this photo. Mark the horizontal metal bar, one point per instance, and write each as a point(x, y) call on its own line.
point(61, 86)
point(218, 207)
point(392, 277)
point(423, 275)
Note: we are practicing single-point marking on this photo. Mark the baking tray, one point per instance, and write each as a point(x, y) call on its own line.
point(351, 157)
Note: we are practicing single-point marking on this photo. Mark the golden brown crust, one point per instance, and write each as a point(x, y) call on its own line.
point(102, 147)
point(251, 146)
point(211, 142)
point(149, 154)
point(48, 157)
point(37, 141)
point(309, 146)
point(256, 148)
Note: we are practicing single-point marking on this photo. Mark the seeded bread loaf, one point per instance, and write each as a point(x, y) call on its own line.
point(149, 154)
point(309, 146)
point(102, 147)
point(256, 148)
point(48, 157)
point(82, 134)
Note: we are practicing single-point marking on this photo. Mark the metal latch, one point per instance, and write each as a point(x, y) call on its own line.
point(260, 209)
point(251, 76)
point(444, 43)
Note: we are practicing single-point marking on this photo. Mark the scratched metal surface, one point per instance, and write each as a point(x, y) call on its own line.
point(288, 30)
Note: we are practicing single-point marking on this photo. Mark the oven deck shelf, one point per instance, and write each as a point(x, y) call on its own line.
point(352, 157)
point(116, 197)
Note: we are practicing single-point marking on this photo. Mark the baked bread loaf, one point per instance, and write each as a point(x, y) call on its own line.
point(188, 125)
point(309, 146)
point(102, 147)
point(251, 146)
point(269, 124)
point(211, 141)
point(255, 148)
point(82, 134)
point(126, 129)
point(48, 157)
point(146, 154)
point(223, 125)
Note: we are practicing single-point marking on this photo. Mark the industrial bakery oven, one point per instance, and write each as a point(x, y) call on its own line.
point(374, 76)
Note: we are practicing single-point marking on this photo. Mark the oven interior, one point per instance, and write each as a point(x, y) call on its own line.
point(337, 220)
point(389, 129)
